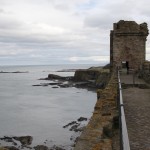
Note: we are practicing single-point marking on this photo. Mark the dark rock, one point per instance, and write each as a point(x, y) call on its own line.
point(56, 148)
point(11, 148)
point(14, 143)
point(55, 87)
point(79, 129)
point(71, 138)
point(24, 140)
point(41, 147)
point(37, 85)
point(7, 139)
point(54, 77)
point(44, 84)
point(82, 119)
point(43, 79)
point(20, 72)
point(26, 147)
point(65, 85)
point(74, 127)
point(69, 124)
point(56, 83)
point(57, 77)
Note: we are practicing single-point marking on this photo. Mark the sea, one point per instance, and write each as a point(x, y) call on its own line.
point(41, 112)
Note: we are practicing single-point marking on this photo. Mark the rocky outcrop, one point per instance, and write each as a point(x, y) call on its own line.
point(91, 79)
point(57, 77)
point(24, 140)
point(99, 132)
point(86, 74)
point(99, 76)
point(16, 142)
point(77, 125)
point(11, 148)
point(41, 147)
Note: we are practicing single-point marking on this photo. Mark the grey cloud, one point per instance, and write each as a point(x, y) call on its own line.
point(9, 24)
point(98, 20)
point(1, 10)
point(113, 11)
point(82, 35)
point(62, 7)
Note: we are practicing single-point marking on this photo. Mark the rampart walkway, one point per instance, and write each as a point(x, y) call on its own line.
point(137, 110)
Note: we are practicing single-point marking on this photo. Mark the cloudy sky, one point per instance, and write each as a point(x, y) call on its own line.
point(63, 31)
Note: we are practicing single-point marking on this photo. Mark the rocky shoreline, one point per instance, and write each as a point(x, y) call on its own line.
point(91, 79)
point(25, 142)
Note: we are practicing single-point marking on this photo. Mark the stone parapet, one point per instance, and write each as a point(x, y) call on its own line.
point(99, 132)
point(130, 27)
point(145, 72)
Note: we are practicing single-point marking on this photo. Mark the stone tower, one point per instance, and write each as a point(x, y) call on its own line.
point(127, 44)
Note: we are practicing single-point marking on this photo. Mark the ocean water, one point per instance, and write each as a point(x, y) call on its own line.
point(41, 112)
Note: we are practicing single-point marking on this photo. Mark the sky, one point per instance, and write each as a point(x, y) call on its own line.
point(34, 32)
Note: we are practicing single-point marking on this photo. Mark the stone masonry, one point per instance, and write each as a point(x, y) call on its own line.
point(100, 132)
point(127, 44)
point(145, 72)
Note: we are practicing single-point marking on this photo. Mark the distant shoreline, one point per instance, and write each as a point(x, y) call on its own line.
point(14, 72)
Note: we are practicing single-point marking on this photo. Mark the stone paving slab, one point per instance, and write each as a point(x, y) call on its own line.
point(137, 111)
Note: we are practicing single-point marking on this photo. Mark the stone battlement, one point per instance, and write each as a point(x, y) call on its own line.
point(130, 27)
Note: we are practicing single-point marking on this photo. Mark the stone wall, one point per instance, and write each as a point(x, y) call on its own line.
point(145, 72)
point(100, 130)
point(127, 44)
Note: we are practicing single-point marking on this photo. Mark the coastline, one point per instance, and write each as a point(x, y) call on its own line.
point(22, 75)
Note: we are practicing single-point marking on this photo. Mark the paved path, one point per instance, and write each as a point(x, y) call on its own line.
point(137, 111)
